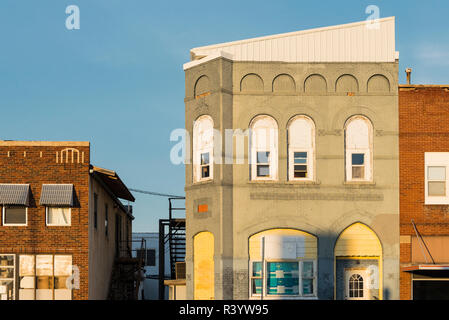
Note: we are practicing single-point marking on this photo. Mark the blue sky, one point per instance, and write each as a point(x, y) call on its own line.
point(118, 80)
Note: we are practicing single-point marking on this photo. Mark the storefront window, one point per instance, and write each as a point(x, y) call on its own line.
point(7, 277)
point(284, 278)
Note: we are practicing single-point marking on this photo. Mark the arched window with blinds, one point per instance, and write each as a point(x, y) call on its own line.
point(301, 148)
point(264, 148)
point(203, 147)
point(359, 149)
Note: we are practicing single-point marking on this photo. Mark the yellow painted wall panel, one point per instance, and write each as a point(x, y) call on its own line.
point(358, 240)
point(203, 264)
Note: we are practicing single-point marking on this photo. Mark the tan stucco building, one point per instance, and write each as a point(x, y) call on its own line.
point(310, 208)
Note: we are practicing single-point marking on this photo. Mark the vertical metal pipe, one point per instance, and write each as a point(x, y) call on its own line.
point(263, 267)
point(161, 260)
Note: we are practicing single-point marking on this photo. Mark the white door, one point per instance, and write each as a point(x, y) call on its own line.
point(356, 283)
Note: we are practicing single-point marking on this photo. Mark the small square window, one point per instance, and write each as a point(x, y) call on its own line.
point(436, 173)
point(263, 157)
point(205, 158)
point(358, 172)
point(300, 165)
point(300, 157)
point(58, 216)
point(436, 185)
point(263, 164)
point(205, 172)
point(436, 188)
point(15, 216)
point(358, 165)
point(263, 170)
point(300, 171)
point(205, 165)
point(358, 159)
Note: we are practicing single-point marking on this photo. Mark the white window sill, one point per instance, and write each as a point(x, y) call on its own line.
point(263, 180)
point(444, 202)
point(359, 182)
point(203, 181)
point(302, 181)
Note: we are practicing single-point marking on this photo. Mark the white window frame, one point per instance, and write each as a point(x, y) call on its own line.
point(364, 275)
point(199, 166)
point(56, 224)
point(14, 224)
point(294, 147)
point(199, 147)
point(257, 164)
point(300, 295)
point(272, 148)
point(308, 164)
point(435, 159)
point(358, 166)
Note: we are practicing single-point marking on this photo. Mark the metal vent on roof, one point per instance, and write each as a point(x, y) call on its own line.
point(57, 195)
point(15, 194)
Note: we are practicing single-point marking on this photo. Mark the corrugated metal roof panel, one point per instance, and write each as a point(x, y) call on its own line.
point(14, 194)
point(57, 195)
point(354, 42)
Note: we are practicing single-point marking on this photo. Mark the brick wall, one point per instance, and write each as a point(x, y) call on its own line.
point(423, 127)
point(36, 164)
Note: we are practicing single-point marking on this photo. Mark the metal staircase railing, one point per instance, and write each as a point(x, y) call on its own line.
point(173, 232)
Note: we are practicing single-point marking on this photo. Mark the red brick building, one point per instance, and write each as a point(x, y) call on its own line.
point(62, 222)
point(424, 191)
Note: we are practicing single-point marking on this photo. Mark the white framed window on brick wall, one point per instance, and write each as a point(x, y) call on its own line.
point(436, 174)
point(14, 216)
point(58, 216)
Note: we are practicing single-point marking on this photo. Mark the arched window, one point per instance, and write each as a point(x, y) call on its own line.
point(359, 149)
point(356, 286)
point(301, 148)
point(264, 148)
point(203, 147)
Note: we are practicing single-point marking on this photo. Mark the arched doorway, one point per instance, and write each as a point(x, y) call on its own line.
point(358, 264)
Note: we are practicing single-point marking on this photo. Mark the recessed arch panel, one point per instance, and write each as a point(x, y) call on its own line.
point(251, 83)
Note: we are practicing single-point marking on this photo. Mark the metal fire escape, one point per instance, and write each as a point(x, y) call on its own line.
point(172, 238)
point(171, 232)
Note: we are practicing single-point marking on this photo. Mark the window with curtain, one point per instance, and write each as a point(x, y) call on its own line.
point(301, 148)
point(358, 145)
point(58, 216)
point(264, 148)
point(203, 147)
